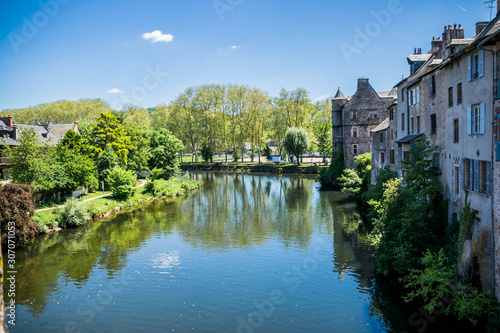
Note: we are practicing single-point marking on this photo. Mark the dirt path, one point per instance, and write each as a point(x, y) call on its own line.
point(143, 182)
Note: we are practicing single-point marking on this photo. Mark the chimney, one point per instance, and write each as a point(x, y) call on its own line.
point(362, 82)
point(437, 47)
point(480, 26)
point(7, 120)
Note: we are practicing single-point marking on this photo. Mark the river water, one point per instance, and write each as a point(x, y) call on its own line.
point(246, 253)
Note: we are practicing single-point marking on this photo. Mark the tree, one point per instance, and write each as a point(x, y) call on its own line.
point(421, 170)
point(121, 182)
point(323, 134)
point(138, 155)
point(26, 158)
point(15, 216)
point(207, 152)
point(106, 161)
point(163, 152)
point(108, 130)
point(296, 142)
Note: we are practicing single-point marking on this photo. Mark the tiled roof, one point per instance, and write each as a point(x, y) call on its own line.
point(409, 138)
point(382, 126)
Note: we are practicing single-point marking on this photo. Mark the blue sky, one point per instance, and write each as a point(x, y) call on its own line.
point(84, 49)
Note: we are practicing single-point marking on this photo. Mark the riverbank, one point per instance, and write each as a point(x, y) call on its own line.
point(254, 168)
point(49, 219)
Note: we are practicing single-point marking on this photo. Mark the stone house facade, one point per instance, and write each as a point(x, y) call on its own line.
point(354, 118)
point(448, 98)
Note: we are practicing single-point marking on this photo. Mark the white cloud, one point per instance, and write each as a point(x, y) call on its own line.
point(157, 36)
point(321, 98)
point(115, 91)
point(235, 47)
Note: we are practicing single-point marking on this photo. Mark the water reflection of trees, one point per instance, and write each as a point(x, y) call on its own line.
point(231, 211)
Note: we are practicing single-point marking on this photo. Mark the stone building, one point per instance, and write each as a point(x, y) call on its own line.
point(491, 44)
point(448, 98)
point(353, 119)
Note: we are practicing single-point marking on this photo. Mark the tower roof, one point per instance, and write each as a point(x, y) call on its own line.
point(339, 95)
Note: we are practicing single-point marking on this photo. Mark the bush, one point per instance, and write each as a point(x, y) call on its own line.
point(207, 153)
point(17, 206)
point(121, 182)
point(328, 178)
point(75, 213)
point(236, 155)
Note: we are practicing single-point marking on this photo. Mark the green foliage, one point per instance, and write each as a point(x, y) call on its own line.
point(78, 167)
point(296, 142)
point(163, 152)
point(355, 182)
point(106, 161)
point(60, 112)
point(351, 182)
point(17, 206)
point(377, 190)
point(329, 178)
point(74, 213)
point(207, 152)
point(436, 284)
point(421, 170)
point(138, 155)
point(467, 217)
point(109, 131)
point(26, 158)
point(236, 155)
point(121, 182)
point(267, 152)
point(323, 134)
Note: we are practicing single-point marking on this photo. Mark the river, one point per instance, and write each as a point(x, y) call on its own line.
point(246, 253)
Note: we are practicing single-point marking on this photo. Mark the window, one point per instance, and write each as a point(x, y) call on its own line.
point(457, 183)
point(381, 138)
point(433, 124)
point(482, 173)
point(412, 128)
point(459, 93)
point(392, 134)
point(391, 114)
point(475, 66)
point(455, 130)
point(354, 115)
point(432, 85)
point(411, 97)
point(355, 150)
point(476, 175)
point(382, 157)
point(436, 160)
point(402, 121)
point(373, 115)
point(418, 124)
point(450, 96)
point(475, 119)
point(354, 132)
point(391, 156)
point(406, 157)
point(467, 171)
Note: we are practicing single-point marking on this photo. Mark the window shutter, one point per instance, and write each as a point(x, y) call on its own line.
point(471, 175)
point(481, 118)
point(469, 120)
point(488, 177)
point(462, 174)
point(469, 68)
point(476, 175)
point(480, 65)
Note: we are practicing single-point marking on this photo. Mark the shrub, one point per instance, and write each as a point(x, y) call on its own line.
point(17, 206)
point(207, 152)
point(328, 178)
point(236, 155)
point(75, 213)
point(121, 182)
